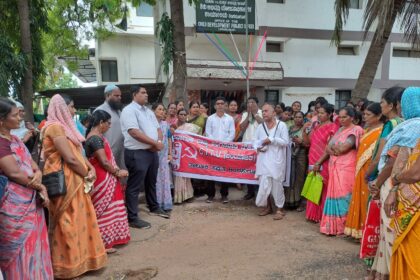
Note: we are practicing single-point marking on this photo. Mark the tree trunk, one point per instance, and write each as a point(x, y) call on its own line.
point(27, 90)
point(373, 57)
point(179, 85)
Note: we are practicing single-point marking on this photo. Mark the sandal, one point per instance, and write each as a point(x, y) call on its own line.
point(111, 251)
point(279, 215)
point(300, 209)
point(265, 212)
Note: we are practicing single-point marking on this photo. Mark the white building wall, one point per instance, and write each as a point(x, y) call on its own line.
point(139, 57)
point(134, 56)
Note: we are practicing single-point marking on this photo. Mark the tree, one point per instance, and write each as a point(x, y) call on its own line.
point(171, 33)
point(54, 27)
point(22, 48)
point(384, 14)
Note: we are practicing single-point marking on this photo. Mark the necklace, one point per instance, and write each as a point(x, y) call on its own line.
point(8, 137)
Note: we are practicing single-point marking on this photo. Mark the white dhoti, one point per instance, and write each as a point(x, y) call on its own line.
point(269, 185)
point(271, 163)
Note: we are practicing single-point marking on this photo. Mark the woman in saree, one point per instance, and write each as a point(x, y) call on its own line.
point(390, 104)
point(164, 176)
point(195, 116)
point(403, 205)
point(342, 151)
point(183, 190)
point(299, 165)
point(233, 112)
point(107, 195)
point(393, 159)
point(359, 200)
point(24, 246)
point(317, 139)
point(76, 243)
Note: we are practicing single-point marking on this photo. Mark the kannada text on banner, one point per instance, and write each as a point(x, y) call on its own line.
point(199, 157)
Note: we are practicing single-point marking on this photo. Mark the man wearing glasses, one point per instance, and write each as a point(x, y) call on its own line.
point(220, 126)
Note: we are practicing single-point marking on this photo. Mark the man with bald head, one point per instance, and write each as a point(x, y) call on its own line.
point(113, 106)
point(271, 141)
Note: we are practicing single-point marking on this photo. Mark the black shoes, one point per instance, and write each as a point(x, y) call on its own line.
point(248, 196)
point(140, 224)
point(159, 212)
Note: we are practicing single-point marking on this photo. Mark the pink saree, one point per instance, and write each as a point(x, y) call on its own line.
point(319, 140)
point(342, 170)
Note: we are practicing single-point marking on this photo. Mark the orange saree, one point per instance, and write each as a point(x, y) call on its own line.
point(76, 244)
point(359, 200)
point(405, 260)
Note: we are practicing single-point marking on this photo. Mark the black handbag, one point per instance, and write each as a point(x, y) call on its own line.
point(54, 181)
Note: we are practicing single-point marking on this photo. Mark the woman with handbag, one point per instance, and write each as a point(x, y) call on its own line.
point(24, 246)
point(299, 165)
point(342, 151)
point(359, 201)
point(317, 134)
point(75, 239)
point(107, 195)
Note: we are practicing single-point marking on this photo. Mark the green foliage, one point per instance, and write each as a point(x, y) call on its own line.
point(165, 32)
point(13, 60)
point(12, 66)
point(59, 80)
point(378, 13)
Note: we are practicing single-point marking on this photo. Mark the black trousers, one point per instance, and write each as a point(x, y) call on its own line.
point(211, 190)
point(142, 168)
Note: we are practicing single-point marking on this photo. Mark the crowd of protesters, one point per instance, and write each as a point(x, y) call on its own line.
point(365, 152)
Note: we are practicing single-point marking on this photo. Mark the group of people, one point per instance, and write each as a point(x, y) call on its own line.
point(364, 153)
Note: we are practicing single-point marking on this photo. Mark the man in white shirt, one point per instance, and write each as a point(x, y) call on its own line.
point(220, 126)
point(142, 141)
point(249, 123)
point(271, 141)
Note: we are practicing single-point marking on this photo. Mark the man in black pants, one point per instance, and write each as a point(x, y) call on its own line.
point(142, 141)
point(219, 126)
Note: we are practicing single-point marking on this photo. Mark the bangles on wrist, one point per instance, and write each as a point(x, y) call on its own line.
point(116, 171)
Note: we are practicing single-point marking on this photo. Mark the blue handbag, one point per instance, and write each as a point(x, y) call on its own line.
point(3, 185)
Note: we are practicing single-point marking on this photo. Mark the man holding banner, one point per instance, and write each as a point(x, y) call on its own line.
point(271, 141)
point(249, 123)
point(220, 126)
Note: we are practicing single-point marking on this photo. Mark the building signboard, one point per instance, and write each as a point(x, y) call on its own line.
point(224, 16)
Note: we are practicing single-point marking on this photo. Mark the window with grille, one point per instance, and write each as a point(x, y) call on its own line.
point(109, 70)
point(272, 96)
point(341, 98)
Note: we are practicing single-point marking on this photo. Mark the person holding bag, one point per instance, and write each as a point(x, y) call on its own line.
point(75, 239)
point(24, 246)
point(316, 135)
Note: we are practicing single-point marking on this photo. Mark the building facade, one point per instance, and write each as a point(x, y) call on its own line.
point(297, 61)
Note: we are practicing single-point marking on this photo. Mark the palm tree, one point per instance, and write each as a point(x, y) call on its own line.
point(384, 14)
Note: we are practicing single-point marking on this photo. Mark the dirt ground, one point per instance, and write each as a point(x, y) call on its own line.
point(230, 241)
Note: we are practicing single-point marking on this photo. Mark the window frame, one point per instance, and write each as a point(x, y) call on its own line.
point(138, 10)
point(271, 91)
point(341, 50)
point(340, 100)
point(110, 61)
point(408, 51)
point(359, 5)
point(281, 46)
point(276, 1)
